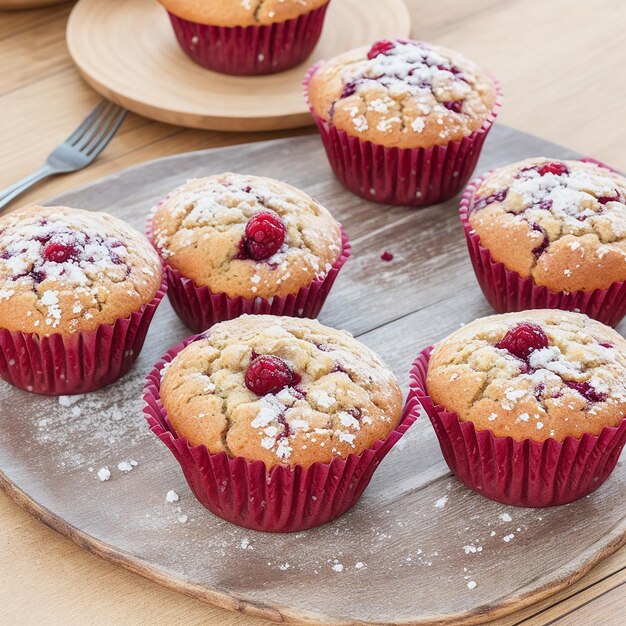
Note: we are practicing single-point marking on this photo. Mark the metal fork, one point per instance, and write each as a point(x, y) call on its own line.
point(76, 152)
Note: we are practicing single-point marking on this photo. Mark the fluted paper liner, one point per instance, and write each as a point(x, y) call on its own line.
point(282, 499)
point(507, 291)
point(251, 50)
point(415, 177)
point(520, 473)
point(76, 363)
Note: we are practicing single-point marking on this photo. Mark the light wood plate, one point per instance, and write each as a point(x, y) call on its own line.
point(127, 51)
point(421, 536)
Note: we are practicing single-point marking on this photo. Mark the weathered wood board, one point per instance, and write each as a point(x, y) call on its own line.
point(413, 547)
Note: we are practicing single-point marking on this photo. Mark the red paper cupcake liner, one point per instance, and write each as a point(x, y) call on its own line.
point(78, 363)
point(415, 177)
point(251, 50)
point(282, 499)
point(520, 473)
point(199, 308)
point(507, 291)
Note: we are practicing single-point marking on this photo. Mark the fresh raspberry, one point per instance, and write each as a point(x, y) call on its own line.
point(556, 168)
point(523, 339)
point(265, 234)
point(587, 391)
point(60, 252)
point(269, 374)
point(380, 47)
point(386, 256)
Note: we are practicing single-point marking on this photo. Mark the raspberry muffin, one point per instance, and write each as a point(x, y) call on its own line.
point(235, 244)
point(247, 37)
point(403, 122)
point(529, 407)
point(294, 412)
point(77, 293)
point(554, 232)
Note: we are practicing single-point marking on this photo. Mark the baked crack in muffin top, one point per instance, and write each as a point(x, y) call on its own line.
point(231, 13)
point(67, 270)
point(280, 390)
point(532, 375)
point(563, 223)
point(246, 236)
point(406, 94)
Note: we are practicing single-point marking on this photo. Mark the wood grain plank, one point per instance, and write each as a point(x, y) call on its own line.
point(17, 22)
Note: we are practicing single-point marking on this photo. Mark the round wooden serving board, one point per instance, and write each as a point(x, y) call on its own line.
point(128, 52)
point(412, 549)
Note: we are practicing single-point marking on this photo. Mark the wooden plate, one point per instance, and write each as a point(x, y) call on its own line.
point(127, 51)
point(411, 550)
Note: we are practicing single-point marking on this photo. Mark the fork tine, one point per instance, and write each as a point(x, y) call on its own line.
point(96, 125)
point(86, 123)
point(101, 141)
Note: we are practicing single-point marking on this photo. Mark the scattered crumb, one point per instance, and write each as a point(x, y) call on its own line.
point(126, 466)
point(359, 565)
point(245, 543)
point(505, 517)
point(338, 567)
point(104, 473)
point(183, 518)
point(66, 401)
point(508, 538)
point(441, 502)
point(471, 584)
point(172, 496)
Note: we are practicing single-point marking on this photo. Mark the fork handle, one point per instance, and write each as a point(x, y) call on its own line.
point(16, 189)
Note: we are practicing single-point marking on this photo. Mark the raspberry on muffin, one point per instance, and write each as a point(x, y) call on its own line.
point(67, 270)
point(404, 94)
point(280, 390)
point(532, 375)
point(256, 240)
point(560, 223)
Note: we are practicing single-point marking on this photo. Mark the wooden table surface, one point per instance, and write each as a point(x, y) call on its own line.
point(562, 67)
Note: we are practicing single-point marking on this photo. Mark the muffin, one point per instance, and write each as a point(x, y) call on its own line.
point(235, 244)
point(78, 291)
point(403, 122)
point(290, 416)
point(554, 233)
point(529, 407)
point(247, 37)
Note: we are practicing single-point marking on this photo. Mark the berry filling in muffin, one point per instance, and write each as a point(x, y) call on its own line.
point(535, 374)
point(403, 93)
point(67, 269)
point(281, 390)
point(563, 223)
point(246, 236)
point(412, 66)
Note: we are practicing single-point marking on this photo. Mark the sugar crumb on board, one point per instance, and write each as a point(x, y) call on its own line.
point(172, 496)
